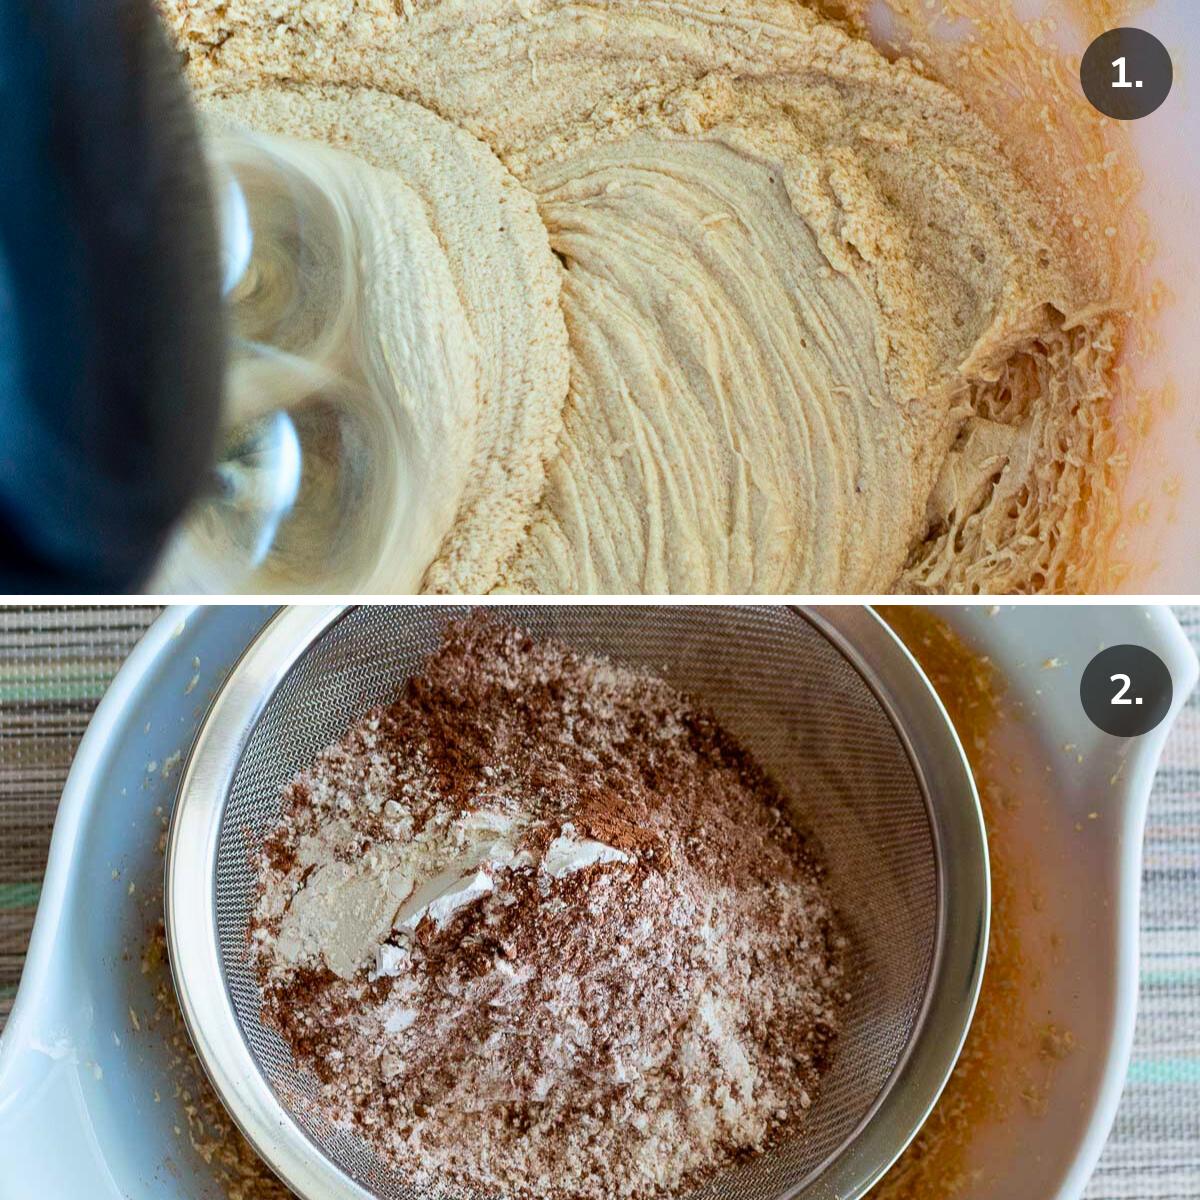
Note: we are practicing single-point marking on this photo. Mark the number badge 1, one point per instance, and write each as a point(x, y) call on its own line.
point(1126, 73)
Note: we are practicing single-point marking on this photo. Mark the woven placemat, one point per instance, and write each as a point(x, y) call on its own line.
point(56, 663)
point(1154, 1150)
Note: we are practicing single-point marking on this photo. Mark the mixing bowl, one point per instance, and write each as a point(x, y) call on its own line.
point(81, 1115)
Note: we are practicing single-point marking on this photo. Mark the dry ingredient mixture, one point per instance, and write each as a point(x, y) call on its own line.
point(677, 298)
point(540, 928)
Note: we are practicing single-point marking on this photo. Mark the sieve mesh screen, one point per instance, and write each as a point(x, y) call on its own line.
point(792, 699)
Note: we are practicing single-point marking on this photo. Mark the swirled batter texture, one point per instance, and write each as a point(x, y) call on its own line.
point(756, 310)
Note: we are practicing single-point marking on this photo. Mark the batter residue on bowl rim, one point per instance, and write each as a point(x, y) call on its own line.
point(747, 306)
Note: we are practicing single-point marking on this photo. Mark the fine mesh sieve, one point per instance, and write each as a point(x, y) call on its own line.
point(826, 699)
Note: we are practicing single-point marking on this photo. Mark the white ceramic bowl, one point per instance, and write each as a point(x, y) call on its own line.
point(78, 1110)
point(1169, 151)
point(1085, 797)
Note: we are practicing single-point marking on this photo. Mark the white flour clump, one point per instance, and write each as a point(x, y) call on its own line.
point(540, 928)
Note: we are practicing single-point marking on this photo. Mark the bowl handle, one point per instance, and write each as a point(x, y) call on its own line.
point(47, 1141)
point(1162, 634)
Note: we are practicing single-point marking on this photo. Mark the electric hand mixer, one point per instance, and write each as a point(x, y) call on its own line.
point(182, 398)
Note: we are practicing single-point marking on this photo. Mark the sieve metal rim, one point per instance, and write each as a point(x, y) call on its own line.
point(963, 870)
point(912, 1089)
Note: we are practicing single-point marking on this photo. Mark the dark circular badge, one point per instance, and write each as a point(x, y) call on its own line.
point(1126, 73)
point(1126, 690)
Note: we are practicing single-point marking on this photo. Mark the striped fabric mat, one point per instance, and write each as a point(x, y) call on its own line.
point(1154, 1151)
point(56, 663)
